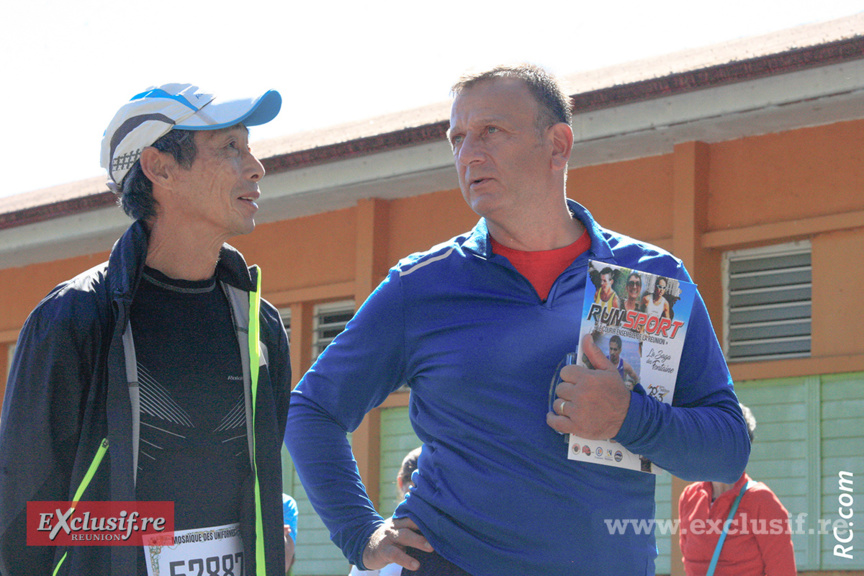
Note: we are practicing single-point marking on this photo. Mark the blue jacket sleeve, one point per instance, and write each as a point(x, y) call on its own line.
point(702, 435)
point(356, 373)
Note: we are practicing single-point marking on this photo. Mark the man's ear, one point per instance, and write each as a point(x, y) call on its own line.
point(561, 135)
point(156, 165)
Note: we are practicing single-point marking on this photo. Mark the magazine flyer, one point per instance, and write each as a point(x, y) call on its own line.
point(640, 321)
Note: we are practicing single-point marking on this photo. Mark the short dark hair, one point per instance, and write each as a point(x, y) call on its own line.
point(615, 338)
point(136, 197)
point(409, 465)
point(551, 100)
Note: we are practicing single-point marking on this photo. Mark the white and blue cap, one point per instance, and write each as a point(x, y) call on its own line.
point(153, 113)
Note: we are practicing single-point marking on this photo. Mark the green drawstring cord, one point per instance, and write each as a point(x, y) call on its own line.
point(91, 471)
point(254, 360)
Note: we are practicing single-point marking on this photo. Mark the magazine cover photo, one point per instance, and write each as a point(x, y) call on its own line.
point(640, 321)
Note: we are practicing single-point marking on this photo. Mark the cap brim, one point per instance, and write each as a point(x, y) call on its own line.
point(249, 111)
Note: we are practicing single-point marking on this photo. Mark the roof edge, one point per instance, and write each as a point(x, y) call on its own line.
point(774, 64)
point(794, 60)
point(48, 211)
point(383, 142)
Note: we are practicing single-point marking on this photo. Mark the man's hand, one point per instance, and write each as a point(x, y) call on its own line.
point(590, 403)
point(388, 543)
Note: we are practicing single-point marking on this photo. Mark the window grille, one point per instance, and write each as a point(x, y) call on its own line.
point(330, 320)
point(768, 302)
point(285, 314)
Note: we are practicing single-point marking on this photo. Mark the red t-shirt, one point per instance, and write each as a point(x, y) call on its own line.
point(758, 542)
point(543, 267)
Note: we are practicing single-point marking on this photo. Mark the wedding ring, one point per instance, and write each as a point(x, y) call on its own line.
point(561, 410)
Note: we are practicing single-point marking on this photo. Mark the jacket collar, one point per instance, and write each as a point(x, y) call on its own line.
point(478, 240)
point(127, 258)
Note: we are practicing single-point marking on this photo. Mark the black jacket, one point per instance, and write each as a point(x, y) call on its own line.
point(67, 392)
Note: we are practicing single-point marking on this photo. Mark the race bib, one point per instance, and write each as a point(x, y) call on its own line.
point(214, 551)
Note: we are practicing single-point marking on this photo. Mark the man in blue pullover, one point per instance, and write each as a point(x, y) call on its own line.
point(477, 327)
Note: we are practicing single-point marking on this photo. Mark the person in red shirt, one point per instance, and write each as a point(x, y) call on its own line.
point(758, 541)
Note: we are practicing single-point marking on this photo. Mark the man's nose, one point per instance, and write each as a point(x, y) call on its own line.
point(470, 150)
point(254, 169)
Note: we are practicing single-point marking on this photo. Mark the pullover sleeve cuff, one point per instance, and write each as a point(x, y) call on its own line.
point(633, 422)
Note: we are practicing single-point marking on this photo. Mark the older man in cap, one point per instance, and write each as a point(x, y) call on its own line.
point(160, 375)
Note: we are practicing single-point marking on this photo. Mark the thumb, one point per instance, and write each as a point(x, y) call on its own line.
point(596, 356)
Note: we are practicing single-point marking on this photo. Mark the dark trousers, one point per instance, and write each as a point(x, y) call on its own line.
point(433, 565)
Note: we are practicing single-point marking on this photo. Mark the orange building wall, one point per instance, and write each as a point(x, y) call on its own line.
point(24, 288)
point(697, 201)
point(780, 177)
point(838, 281)
point(303, 252)
point(422, 221)
point(631, 197)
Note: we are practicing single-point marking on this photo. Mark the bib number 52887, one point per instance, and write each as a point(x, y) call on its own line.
point(225, 565)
